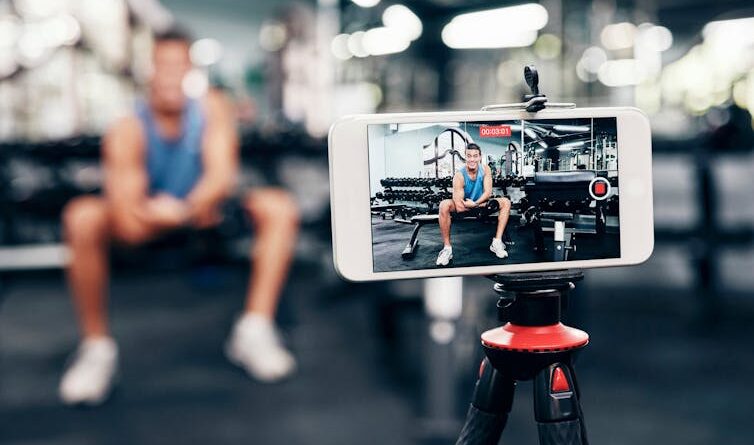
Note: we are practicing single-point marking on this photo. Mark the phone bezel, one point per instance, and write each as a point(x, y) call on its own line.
point(349, 190)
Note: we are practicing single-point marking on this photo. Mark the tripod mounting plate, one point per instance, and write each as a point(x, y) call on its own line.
point(536, 281)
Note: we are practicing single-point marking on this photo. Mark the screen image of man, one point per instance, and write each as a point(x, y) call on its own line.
point(472, 187)
point(171, 164)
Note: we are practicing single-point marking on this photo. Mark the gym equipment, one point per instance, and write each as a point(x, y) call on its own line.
point(531, 345)
point(485, 213)
point(452, 151)
point(558, 198)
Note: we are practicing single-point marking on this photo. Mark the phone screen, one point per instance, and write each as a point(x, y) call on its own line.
point(484, 193)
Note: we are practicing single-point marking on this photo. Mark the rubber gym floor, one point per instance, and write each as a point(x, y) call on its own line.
point(471, 242)
point(651, 374)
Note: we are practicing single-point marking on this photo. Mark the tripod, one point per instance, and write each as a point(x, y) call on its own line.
point(533, 344)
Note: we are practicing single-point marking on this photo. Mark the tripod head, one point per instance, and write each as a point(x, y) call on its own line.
point(534, 299)
point(530, 308)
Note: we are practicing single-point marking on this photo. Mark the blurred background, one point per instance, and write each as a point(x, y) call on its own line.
point(670, 357)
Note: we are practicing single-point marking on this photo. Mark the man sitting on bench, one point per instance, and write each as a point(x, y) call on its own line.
point(472, 187)
point(170, 165)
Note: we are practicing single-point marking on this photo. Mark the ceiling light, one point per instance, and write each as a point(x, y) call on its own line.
point(509, 27)
point(339, 47)
point(623, 72)
point(570, 145)
point(366, 3)
point(206, 52)
point(401, 19)
point(356, 44)
point(382, 40)
point(618, 36)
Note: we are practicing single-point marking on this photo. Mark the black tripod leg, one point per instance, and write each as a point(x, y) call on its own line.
point(488, 413)
point(557, 408)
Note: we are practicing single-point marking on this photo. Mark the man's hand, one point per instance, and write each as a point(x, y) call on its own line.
point(470, 204)
point(203, 213)
point(163, 211)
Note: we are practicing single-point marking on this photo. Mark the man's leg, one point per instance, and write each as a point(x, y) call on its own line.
point(503, 215)
point(89, 225)
point(446, 254)
point(86, 226)
point(275, 217)
point(255, 344)
point(497, 247)
point(446, 208)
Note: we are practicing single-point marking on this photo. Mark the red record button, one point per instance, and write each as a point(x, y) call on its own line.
point(599, 188)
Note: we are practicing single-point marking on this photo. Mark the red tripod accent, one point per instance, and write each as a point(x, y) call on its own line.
point(533, 344)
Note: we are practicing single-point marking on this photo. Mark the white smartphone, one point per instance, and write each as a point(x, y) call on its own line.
point(422, 195)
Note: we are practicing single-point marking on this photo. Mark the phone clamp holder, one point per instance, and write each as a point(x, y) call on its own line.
point(530, 102)
point(532, 344)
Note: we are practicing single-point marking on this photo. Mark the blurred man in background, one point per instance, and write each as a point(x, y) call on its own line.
point(170, 165)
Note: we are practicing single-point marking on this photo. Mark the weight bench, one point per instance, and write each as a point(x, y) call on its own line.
point(420, 221)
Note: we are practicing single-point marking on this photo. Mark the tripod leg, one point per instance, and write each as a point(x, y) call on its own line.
point(488, 413)
point(557, 408)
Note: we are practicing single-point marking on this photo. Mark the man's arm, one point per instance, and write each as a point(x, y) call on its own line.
point(126, 186)
point(220, 160)
point(487, 186)
point(126, 182)
point(458, 193)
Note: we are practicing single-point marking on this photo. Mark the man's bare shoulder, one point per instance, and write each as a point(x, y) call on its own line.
point(458, 176)
point(217, 101)
point(125, 135)
point(125, 126)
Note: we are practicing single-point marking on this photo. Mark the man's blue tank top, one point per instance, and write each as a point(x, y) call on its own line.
point(174, 165)
point(473, 189)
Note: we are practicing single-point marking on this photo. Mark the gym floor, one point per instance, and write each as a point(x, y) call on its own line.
point(471, 242)
point(640, 376)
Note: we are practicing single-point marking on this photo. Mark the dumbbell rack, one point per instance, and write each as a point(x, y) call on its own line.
point(426, 192)
point(402, 194)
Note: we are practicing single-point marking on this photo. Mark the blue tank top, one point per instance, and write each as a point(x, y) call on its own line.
point(174, 165)
point(473, 189)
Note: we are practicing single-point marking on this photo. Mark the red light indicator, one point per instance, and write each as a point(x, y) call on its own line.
point(600, 189)
point(559, 381)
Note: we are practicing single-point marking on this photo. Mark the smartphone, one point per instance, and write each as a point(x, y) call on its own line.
point(420, 195)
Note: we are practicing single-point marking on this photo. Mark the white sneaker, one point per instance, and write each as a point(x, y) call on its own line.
point(255, 345)
point(446, 254)
point(89, 378)
point(498, 248)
